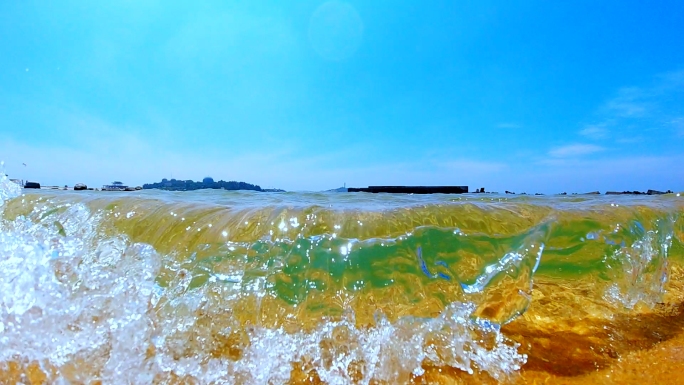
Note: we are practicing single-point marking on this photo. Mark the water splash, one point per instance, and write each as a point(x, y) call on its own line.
point(8, 189)
point(640, 269)
point(69, 296)
point(340, 352)
point(89, 292)
point(85, 305)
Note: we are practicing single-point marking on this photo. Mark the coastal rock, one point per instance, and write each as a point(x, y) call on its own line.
point(656, 192)
point(207, 183)
point(625, 193)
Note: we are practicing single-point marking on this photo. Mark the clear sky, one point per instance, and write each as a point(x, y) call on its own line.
point(535, 96)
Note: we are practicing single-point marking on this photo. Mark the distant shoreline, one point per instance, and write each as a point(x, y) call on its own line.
point(607, 193)
point(210, 184)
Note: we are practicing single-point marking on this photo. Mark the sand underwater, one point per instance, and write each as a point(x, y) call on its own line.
point(213, 286)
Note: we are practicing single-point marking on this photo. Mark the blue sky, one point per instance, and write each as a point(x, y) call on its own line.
point(532, 96)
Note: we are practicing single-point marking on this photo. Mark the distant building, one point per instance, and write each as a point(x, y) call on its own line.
point(115, 186)
point(208, 180)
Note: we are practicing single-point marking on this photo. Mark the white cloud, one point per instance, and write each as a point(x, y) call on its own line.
point(632, 110)
point(648, 113)
point(143, 163)
point(575, 150)
point(613, 174)
point(595, 131)
point(630, 102)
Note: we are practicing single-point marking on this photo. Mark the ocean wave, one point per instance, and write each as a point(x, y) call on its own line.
point(145, 288)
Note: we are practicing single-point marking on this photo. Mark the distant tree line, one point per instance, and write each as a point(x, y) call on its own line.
point(208, 182)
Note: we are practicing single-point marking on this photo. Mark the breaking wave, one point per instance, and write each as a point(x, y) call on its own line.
point(144, 288)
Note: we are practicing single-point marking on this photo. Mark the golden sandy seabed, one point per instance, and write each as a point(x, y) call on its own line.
point(570, 335)
point(644, 346)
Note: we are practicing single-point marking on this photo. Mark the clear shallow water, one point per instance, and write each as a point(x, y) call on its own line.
point(245, 287)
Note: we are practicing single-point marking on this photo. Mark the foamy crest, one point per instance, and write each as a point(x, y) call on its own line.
point(74, 301)
point(8, 189)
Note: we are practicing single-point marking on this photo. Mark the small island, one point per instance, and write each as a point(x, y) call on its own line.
point(206, 183)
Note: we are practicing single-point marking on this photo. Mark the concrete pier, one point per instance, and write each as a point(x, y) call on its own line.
point(412, 189)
